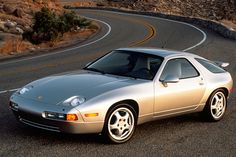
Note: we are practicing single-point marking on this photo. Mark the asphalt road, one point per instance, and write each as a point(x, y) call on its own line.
point(181, 136)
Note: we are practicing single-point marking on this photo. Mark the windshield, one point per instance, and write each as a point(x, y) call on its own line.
point(126, 63)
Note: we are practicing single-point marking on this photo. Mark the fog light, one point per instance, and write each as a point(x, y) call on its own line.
point(59, 116)
point(71, 117)
point(53, 115)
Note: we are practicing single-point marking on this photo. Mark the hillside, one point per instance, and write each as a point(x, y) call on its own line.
point(218, 10)
point(17, 18)
point(16, 15)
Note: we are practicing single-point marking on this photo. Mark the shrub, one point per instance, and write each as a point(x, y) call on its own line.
point(48, 25)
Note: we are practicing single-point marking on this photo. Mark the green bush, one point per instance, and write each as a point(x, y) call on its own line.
point(48, 25)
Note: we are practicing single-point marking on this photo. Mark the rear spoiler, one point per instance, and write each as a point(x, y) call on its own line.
point(221, 64)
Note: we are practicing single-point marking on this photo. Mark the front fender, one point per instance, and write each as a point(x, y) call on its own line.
point(143, 94)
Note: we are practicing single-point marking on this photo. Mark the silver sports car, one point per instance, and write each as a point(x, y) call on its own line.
point(122, 89)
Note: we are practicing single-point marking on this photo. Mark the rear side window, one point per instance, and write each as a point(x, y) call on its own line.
point(179, 67)
point(211, 66)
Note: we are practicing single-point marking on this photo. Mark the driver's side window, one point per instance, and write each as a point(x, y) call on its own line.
point(179, 67)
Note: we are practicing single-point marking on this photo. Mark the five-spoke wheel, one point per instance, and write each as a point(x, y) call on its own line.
point(216, 106)
point(120, 123)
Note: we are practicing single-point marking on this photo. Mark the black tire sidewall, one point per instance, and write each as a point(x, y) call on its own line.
point(106, 133)
point(207, 110)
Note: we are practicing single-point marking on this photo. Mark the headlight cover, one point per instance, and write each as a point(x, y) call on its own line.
point(74, 101)
point(25, 90)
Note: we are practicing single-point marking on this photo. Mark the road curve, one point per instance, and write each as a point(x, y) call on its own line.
point(181, 136)
point(118, 30)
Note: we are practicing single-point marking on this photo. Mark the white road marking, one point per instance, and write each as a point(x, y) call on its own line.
point(104, 36)
point(10, 90)
point(68, 49)
point(153, 17)
point(201, 42)
point(109, 31)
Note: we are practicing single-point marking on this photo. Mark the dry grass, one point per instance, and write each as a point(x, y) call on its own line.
point(229, 23)
point(69, 38)
point(15, 45)
point(79, 4)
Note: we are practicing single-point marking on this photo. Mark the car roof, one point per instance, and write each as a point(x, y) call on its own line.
point(159, 52)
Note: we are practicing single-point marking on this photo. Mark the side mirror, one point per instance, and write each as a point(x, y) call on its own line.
point(170, 79)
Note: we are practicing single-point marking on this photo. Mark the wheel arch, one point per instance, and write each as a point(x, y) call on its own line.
point(207, 113)
point(225, 90)
point(130, 102)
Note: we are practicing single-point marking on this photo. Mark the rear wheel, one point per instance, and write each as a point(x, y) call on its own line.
point(120, 123)
point(216, 106)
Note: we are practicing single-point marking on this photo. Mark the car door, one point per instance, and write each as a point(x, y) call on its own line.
point(179, 96)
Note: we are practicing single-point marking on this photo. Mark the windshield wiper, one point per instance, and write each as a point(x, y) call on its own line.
point(133, 77)
point(95, 70)
point(128, 75)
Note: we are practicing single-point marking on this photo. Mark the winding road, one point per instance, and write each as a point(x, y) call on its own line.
point(181, 136)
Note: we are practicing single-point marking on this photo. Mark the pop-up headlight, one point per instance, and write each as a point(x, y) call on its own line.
point(25, 90)
point(74, 101)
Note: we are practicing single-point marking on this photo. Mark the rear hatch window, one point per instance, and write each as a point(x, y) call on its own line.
point(211, 66)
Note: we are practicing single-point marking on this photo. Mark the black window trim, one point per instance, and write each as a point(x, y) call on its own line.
point(185, 77)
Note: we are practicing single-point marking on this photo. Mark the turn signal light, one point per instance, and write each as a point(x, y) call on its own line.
point(71, 117)
point(91, 115)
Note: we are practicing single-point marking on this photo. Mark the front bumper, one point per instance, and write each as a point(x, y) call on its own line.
point(30, 113)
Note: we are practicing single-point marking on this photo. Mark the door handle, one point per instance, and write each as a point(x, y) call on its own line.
point(201, 81)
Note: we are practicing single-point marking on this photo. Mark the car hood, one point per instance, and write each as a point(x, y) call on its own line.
point(56, 89)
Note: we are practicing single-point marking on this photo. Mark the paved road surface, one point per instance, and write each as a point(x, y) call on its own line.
point(181, 136)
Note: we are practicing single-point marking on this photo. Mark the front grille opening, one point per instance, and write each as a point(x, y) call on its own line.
point(38, 125)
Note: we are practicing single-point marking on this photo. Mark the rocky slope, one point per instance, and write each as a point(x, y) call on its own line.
point(211, 9)
point(218, 10)
point(16, 16)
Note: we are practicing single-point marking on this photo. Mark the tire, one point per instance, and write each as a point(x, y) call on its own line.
point(216, 106)
point(120, 124)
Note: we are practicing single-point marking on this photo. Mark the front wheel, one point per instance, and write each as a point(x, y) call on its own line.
point(120, 123)
point(216, 106)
